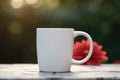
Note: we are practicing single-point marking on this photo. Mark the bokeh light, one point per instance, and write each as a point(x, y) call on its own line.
point(31, 1)
point(15, 28)
point(52, 3)
point(39, 3)
point(17, 3)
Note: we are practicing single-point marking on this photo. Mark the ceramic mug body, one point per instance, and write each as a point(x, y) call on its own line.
point(55, 49)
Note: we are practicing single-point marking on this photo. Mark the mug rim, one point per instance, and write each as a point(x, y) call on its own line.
point(55, 28)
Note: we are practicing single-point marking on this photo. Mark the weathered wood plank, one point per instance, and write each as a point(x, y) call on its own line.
point(78, 72)
point(105, 71)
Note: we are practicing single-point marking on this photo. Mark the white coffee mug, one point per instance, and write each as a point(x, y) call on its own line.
point(55, 48)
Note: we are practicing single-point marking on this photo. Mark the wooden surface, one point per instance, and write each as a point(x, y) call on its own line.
point(78, 72)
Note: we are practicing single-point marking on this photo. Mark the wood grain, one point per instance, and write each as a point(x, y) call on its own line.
point(78, 72)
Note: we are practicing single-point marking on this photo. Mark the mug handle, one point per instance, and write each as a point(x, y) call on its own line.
point(81, 33)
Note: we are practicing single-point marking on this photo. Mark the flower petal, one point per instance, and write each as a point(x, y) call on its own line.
point(78, 57)
point(92, 62)
point(100, 57)
point(80, 52)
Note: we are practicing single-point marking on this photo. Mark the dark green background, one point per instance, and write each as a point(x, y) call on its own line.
point(99, 18)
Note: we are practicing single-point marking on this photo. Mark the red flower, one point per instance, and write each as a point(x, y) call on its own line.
point(81, 50)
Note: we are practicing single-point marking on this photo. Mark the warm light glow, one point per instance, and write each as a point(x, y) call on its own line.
point(17, 3)
point(39, 4)
point(15, 28)
point(53, 3)
point(31, 1)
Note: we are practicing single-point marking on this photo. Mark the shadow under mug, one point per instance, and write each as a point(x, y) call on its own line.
point(55, 48)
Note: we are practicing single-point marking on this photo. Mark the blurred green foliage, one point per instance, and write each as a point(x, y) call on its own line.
point(19, 20)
